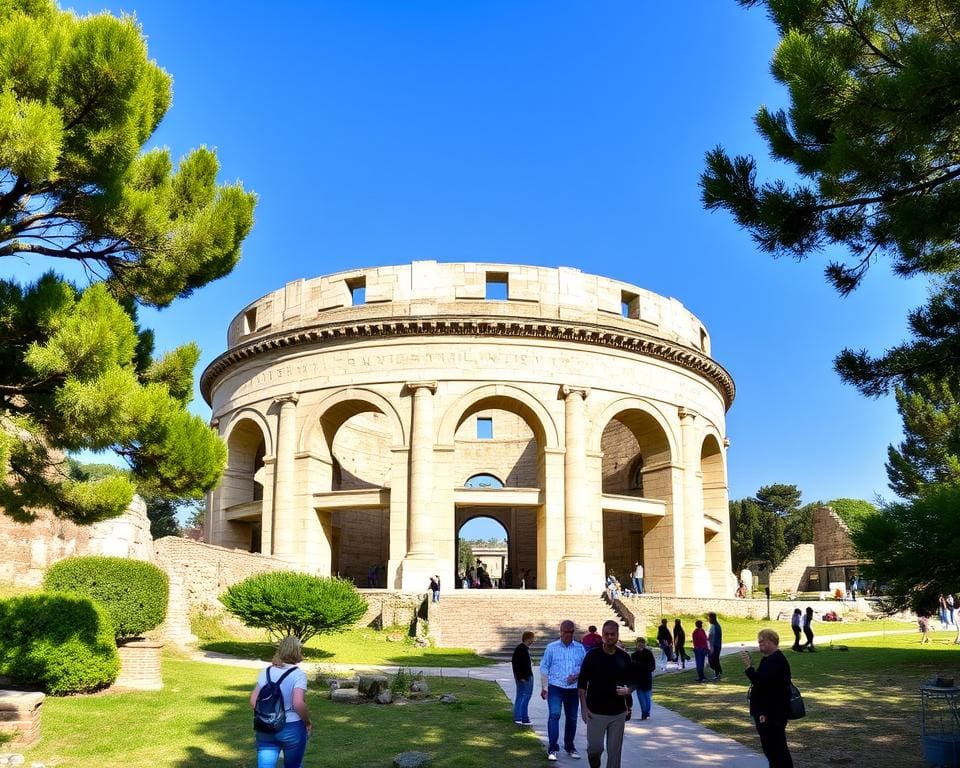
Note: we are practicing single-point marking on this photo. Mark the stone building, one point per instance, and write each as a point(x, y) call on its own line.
point(369, 414)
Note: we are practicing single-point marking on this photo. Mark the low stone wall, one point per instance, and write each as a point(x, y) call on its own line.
point(20, 717)
point(390, 609)
point(199, 574)
point(649, 604)
point(27, 550)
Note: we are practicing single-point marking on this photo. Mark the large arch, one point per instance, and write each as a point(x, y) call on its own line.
point(716, 511)
point(337, 408)
point(241, 492)
point(503, 397)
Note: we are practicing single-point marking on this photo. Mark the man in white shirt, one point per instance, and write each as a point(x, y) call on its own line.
point(559, 671)
point(638, 578)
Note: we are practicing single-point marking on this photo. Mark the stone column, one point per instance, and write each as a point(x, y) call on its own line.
point(419, 564)
point(580, 570)
point(696, 578)
point(283, 525)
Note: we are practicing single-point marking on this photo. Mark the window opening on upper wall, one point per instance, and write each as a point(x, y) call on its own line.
point(484, 428)
point(358, 291)
point(250, 320)
point(483, 480)
point(629, 305)
point(498, 286)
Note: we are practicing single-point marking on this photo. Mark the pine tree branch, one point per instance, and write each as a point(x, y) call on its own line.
point(889, 197)
point(9, 201)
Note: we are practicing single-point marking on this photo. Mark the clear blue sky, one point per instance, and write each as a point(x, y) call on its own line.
point(549, 132)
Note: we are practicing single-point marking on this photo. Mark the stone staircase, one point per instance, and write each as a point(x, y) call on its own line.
point(491, 621)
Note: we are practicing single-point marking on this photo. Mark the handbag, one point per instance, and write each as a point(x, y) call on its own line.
point(796, 709)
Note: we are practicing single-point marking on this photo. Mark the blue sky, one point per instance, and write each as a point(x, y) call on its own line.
point(547, 132)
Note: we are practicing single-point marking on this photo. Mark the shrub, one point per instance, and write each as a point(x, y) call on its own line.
point(61, 643)
point(133, 592)
point(288, 603)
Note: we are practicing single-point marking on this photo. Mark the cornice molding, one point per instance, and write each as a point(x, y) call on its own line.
point(564, 330)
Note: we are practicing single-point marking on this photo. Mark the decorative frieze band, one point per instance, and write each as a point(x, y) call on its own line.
point(641, 344)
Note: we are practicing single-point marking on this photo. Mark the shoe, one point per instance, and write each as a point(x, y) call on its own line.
point(518, 722)
point(574, 754)
point(552, 757)
point(701, 679)
point(716, 677)
point(645, 717)
point(525, 722)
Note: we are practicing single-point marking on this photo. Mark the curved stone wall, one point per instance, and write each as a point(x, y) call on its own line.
point(355, 407)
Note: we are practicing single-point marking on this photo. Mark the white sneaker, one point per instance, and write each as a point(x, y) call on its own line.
point(552, 757)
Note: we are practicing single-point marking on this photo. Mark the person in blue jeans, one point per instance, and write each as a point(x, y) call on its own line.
point(292, 738)
point(559, 672)
point(523, 676)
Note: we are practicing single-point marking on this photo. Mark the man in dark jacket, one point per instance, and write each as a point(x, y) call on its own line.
point(770, 698)
point(523, 676)
point(606, 679)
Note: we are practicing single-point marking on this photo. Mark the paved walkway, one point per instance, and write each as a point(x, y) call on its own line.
point(666, 740)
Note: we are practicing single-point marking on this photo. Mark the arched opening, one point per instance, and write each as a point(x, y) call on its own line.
point(498, 453)
point(636, 466)
point(358, 438)
point(482, 554)
point(241, 490)
point(716, 512)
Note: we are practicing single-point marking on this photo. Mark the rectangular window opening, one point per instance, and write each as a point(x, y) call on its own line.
point(629, 305)
point(250, 320)
point(358, 291)
point(484, 428)
point(498, 286)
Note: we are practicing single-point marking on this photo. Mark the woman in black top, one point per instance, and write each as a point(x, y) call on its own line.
point(808, 629)
point(679, 639)
point(523, 676)
point(665, 641)
point(770, 698)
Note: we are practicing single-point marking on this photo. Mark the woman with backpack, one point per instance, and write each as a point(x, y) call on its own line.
point(280, 715)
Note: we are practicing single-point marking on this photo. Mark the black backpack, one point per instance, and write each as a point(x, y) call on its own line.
point(269, 713)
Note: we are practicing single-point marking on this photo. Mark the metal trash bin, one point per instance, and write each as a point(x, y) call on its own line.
point(940, 723)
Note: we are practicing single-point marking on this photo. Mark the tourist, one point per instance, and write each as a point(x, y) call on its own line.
point(435, 588)
point(701, 647)
point(559, 670)
point(591, 640)
point(951, 604)
point(665, 641)
point(808, 630)
point(770, 698)
point(942, 610)
point(638, 578)
point(795, 622)
point(679, 639)
point(643, 666)
point(715, 638)
point(613, 586)
point(523, 676)
point(923, 621)
point(292, 738)
point(606, 679)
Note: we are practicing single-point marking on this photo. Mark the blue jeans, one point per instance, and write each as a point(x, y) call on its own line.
point(292, 739)
point(701, 656)
point(645, 700)
point(569, 699)
point(521, 704)
point(638, 585)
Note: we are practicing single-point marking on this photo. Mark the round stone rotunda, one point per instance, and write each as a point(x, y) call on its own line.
point(370, 414)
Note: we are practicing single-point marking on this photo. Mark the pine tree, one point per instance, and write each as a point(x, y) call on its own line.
point(79, 98)
point(873, 133)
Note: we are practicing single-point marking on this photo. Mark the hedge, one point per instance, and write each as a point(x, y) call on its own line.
point(59, 643)
point(133, 592)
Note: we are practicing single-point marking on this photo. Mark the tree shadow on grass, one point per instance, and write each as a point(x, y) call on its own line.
point(257, 650)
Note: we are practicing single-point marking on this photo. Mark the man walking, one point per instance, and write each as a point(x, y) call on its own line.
point(559, 671)
point(716, 644)
point(607, 677)
point(638, 578)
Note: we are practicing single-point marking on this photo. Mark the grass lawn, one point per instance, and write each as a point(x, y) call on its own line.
point(202, 718)
point(360, 645)
point(863, 705)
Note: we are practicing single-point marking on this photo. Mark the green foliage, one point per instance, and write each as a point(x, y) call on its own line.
point(872, 132)
point(911, 548)
point(465, 557)
point(62, 644)
point(853, 511)
point(756, 533)
point(79, 98)
point(162, 514)
point(930, 451)
point(798, 526)
point(133, 592)
point(779, 498)
point(289, 603)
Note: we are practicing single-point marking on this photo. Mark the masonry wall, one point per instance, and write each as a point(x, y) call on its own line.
point(832, 537)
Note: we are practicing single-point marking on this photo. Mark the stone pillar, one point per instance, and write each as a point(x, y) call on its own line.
point(580, 570)
point(20, 718)
point(419, 563)
point(696, 577)
point(283, 526)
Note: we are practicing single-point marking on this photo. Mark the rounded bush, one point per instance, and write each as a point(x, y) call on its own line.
point(60, 643)
point(290, 603)
point(133, 592)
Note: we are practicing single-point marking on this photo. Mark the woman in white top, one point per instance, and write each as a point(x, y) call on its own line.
point(292, 738)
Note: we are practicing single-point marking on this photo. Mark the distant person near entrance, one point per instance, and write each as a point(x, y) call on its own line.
point(435, 588)
point(559, 672)
point(638, 578)
point(606, 678)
